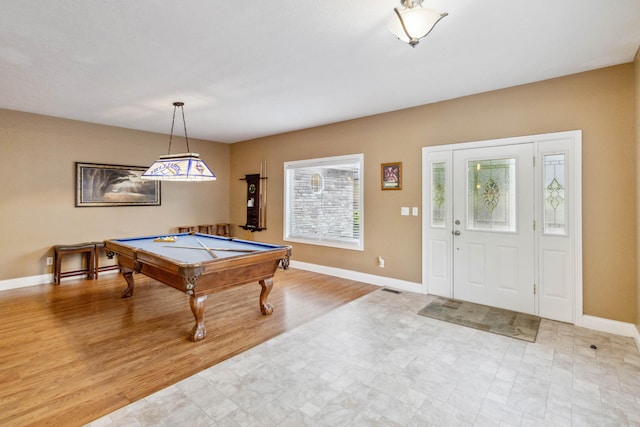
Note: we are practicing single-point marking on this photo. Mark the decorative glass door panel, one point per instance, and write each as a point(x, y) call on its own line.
point(491, 191)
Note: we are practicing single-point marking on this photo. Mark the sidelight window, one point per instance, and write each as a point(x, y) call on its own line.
point(555, 219)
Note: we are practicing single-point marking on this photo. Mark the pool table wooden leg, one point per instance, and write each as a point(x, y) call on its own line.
point(197, 308)
point(267, 285)
point(127, 273)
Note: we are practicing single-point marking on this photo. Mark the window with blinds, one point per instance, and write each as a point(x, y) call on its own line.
point(323, 201)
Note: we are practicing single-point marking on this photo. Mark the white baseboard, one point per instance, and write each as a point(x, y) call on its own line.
point(23, 282)
point(42, 279)
point(386, 282)
point(613, 327)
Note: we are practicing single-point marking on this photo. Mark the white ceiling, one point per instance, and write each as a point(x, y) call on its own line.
point(253, 68)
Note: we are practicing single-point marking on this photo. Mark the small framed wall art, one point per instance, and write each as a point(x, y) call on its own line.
point(391, 176)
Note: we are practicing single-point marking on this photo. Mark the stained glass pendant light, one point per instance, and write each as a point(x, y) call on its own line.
point(179, 167)
point(414, 22)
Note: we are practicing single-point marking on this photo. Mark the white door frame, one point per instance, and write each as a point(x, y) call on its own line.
point(443, 284)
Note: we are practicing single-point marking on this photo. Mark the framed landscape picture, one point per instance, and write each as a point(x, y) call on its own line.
point(114, 185)
point(391, 176)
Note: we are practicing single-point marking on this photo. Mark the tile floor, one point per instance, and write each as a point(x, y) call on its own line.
point(376, 362)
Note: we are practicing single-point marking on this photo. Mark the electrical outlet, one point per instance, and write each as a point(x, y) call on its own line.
point(380, 262)
point(49, 260)
point(414, 211)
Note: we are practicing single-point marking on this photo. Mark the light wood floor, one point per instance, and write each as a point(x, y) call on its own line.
point(72, 353)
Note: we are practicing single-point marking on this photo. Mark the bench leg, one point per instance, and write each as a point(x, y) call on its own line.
point(57, 268)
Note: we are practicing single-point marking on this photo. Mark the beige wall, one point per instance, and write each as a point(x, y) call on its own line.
point(37, 206)
point(37, 190)
point(598, 102)
point(637, 129)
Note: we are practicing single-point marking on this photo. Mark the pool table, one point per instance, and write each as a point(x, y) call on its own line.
point(199, 265)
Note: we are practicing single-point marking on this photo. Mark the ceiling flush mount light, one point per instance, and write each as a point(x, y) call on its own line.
point(414, 22)
point(179, 167)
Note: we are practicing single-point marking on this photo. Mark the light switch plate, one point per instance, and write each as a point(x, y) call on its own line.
point(404, 211)
point(414, 211)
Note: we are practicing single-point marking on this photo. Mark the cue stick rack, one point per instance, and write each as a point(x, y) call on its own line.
point(256, 199)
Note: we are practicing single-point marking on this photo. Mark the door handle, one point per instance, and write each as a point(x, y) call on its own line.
point(456, 233)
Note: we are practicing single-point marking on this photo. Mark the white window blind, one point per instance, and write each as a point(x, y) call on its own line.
point(323, 201)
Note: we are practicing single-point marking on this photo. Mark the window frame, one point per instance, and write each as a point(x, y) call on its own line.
point(337, 161)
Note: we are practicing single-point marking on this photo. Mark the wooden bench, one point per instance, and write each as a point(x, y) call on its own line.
point(223, 230)
point(86, 250)
point(206, 228)
point(90, 251)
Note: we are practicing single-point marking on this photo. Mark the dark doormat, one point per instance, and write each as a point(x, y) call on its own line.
point(491, 319)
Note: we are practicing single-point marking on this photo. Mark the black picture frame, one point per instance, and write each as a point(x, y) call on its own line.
point(104, 185)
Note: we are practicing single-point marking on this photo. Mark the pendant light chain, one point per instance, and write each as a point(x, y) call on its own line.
point(185, 128)
point(173, 121)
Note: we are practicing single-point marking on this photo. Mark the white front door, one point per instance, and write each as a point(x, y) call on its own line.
point(493, 221)
point(480, 203)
